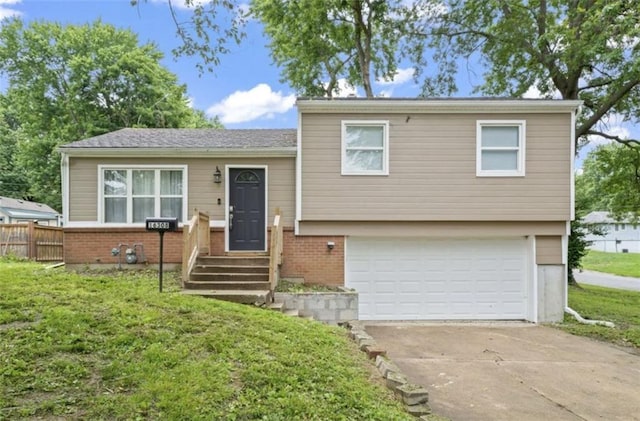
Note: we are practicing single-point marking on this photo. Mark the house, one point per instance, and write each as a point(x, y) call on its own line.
point(619, 236)
point(430, 209)
point(15, 211)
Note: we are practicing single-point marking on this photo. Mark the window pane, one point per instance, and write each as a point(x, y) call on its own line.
point(171, 182)
point(500, 160)
point(363, 161)
point(143, 207)
point(171, 207)
point(115, 209)
point(368, 136)
point(143, 182)
point(503, 136)
point(115, 182)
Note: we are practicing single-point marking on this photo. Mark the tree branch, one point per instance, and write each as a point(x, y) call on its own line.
point(627, 142)
point(610, 101)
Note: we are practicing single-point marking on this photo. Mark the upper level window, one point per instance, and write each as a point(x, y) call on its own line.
point(500, 148)
point(365, 148)
point(130, 195)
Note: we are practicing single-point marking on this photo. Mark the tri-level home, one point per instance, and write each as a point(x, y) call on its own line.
point(429, 209)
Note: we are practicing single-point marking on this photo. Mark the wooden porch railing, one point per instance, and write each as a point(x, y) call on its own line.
point(275, 250)
point(33, 241)
point(196, 241)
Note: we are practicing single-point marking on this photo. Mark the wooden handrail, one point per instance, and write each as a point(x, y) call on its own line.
point(275, 250)
point(195, 240)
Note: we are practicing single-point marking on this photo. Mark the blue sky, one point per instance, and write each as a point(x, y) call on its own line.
point(244, 90)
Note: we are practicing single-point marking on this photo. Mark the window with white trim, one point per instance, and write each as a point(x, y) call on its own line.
point(365, 147)
point(130, 195)
point(500, 148)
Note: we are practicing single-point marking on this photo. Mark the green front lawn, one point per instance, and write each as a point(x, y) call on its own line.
point(615, 305)
point(76, 346)
point(623, 264)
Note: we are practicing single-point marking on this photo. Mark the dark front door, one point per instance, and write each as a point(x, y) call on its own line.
point(246, 209)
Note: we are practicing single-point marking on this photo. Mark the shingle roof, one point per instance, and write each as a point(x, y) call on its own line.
point(17, 206)
point(191, 138)
point(599, 217)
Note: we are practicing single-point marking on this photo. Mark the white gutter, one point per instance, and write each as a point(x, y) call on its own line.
point(450, 105)
point(181, 152)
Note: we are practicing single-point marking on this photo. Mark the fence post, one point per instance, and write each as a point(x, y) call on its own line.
point(31, 240)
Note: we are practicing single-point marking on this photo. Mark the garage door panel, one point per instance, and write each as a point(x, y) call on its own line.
point(421, 279)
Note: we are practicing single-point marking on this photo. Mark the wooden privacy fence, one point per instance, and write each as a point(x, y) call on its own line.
point(33, 241)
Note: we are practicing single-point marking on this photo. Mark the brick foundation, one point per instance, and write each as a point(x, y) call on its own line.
point(93, 245)
point(309, 258)
point(303, 256)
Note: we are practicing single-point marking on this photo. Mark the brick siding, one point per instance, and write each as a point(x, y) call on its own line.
point(309, 258)
point(303, 256)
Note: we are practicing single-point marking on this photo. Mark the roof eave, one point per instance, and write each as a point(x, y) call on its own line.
point(178, 152)
point(456, 106)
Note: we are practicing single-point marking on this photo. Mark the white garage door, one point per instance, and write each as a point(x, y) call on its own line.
point(427, 279)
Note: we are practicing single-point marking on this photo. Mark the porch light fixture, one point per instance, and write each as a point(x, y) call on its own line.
point(217, 176)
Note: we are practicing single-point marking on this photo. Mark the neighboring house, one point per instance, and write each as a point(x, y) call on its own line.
point(618, 236)
point(430, 209)
point(15, 211)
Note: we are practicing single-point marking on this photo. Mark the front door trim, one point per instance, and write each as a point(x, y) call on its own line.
point(227, 185)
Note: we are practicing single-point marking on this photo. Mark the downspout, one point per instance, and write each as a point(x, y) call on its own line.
point(565, 238)
point(64, 180)
point(582, 320)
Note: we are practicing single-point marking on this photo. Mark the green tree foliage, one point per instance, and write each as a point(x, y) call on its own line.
point(317, 42)
point(67, 83)
point(611, 180)
point(578, 243)
point(211, 27)
point(581, 49)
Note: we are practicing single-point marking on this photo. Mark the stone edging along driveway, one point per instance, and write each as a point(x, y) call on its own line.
point(414, 397)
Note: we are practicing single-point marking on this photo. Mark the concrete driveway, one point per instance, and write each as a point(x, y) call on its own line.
point(513, 371)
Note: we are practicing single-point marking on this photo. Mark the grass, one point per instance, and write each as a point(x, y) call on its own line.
point(109, 346)
point(623, 264)
point(615, 305)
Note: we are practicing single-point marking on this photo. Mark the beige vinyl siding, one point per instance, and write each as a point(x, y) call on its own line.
point(447, 229)
point(549, 250)
point(432, 171)
point(203, 192)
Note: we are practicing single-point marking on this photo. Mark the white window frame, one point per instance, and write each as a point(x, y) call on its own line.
point(520, 171)
point(129, 196)
point(384, 124)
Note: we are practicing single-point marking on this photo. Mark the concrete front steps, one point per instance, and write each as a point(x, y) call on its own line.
point(240, 278)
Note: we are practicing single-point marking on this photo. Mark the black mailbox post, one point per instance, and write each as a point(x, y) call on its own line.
point(161, 225)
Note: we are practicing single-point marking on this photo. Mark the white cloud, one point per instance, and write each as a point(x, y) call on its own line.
point(344, 89)
point(401, 76)
point(534, 93)
point(613, 125)
point(386, 93)
point(7, 12)
point(258, 102)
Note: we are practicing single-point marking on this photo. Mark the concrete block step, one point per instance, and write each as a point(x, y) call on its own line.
point(279, 307)
point(292, 313)
point(237, 296)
